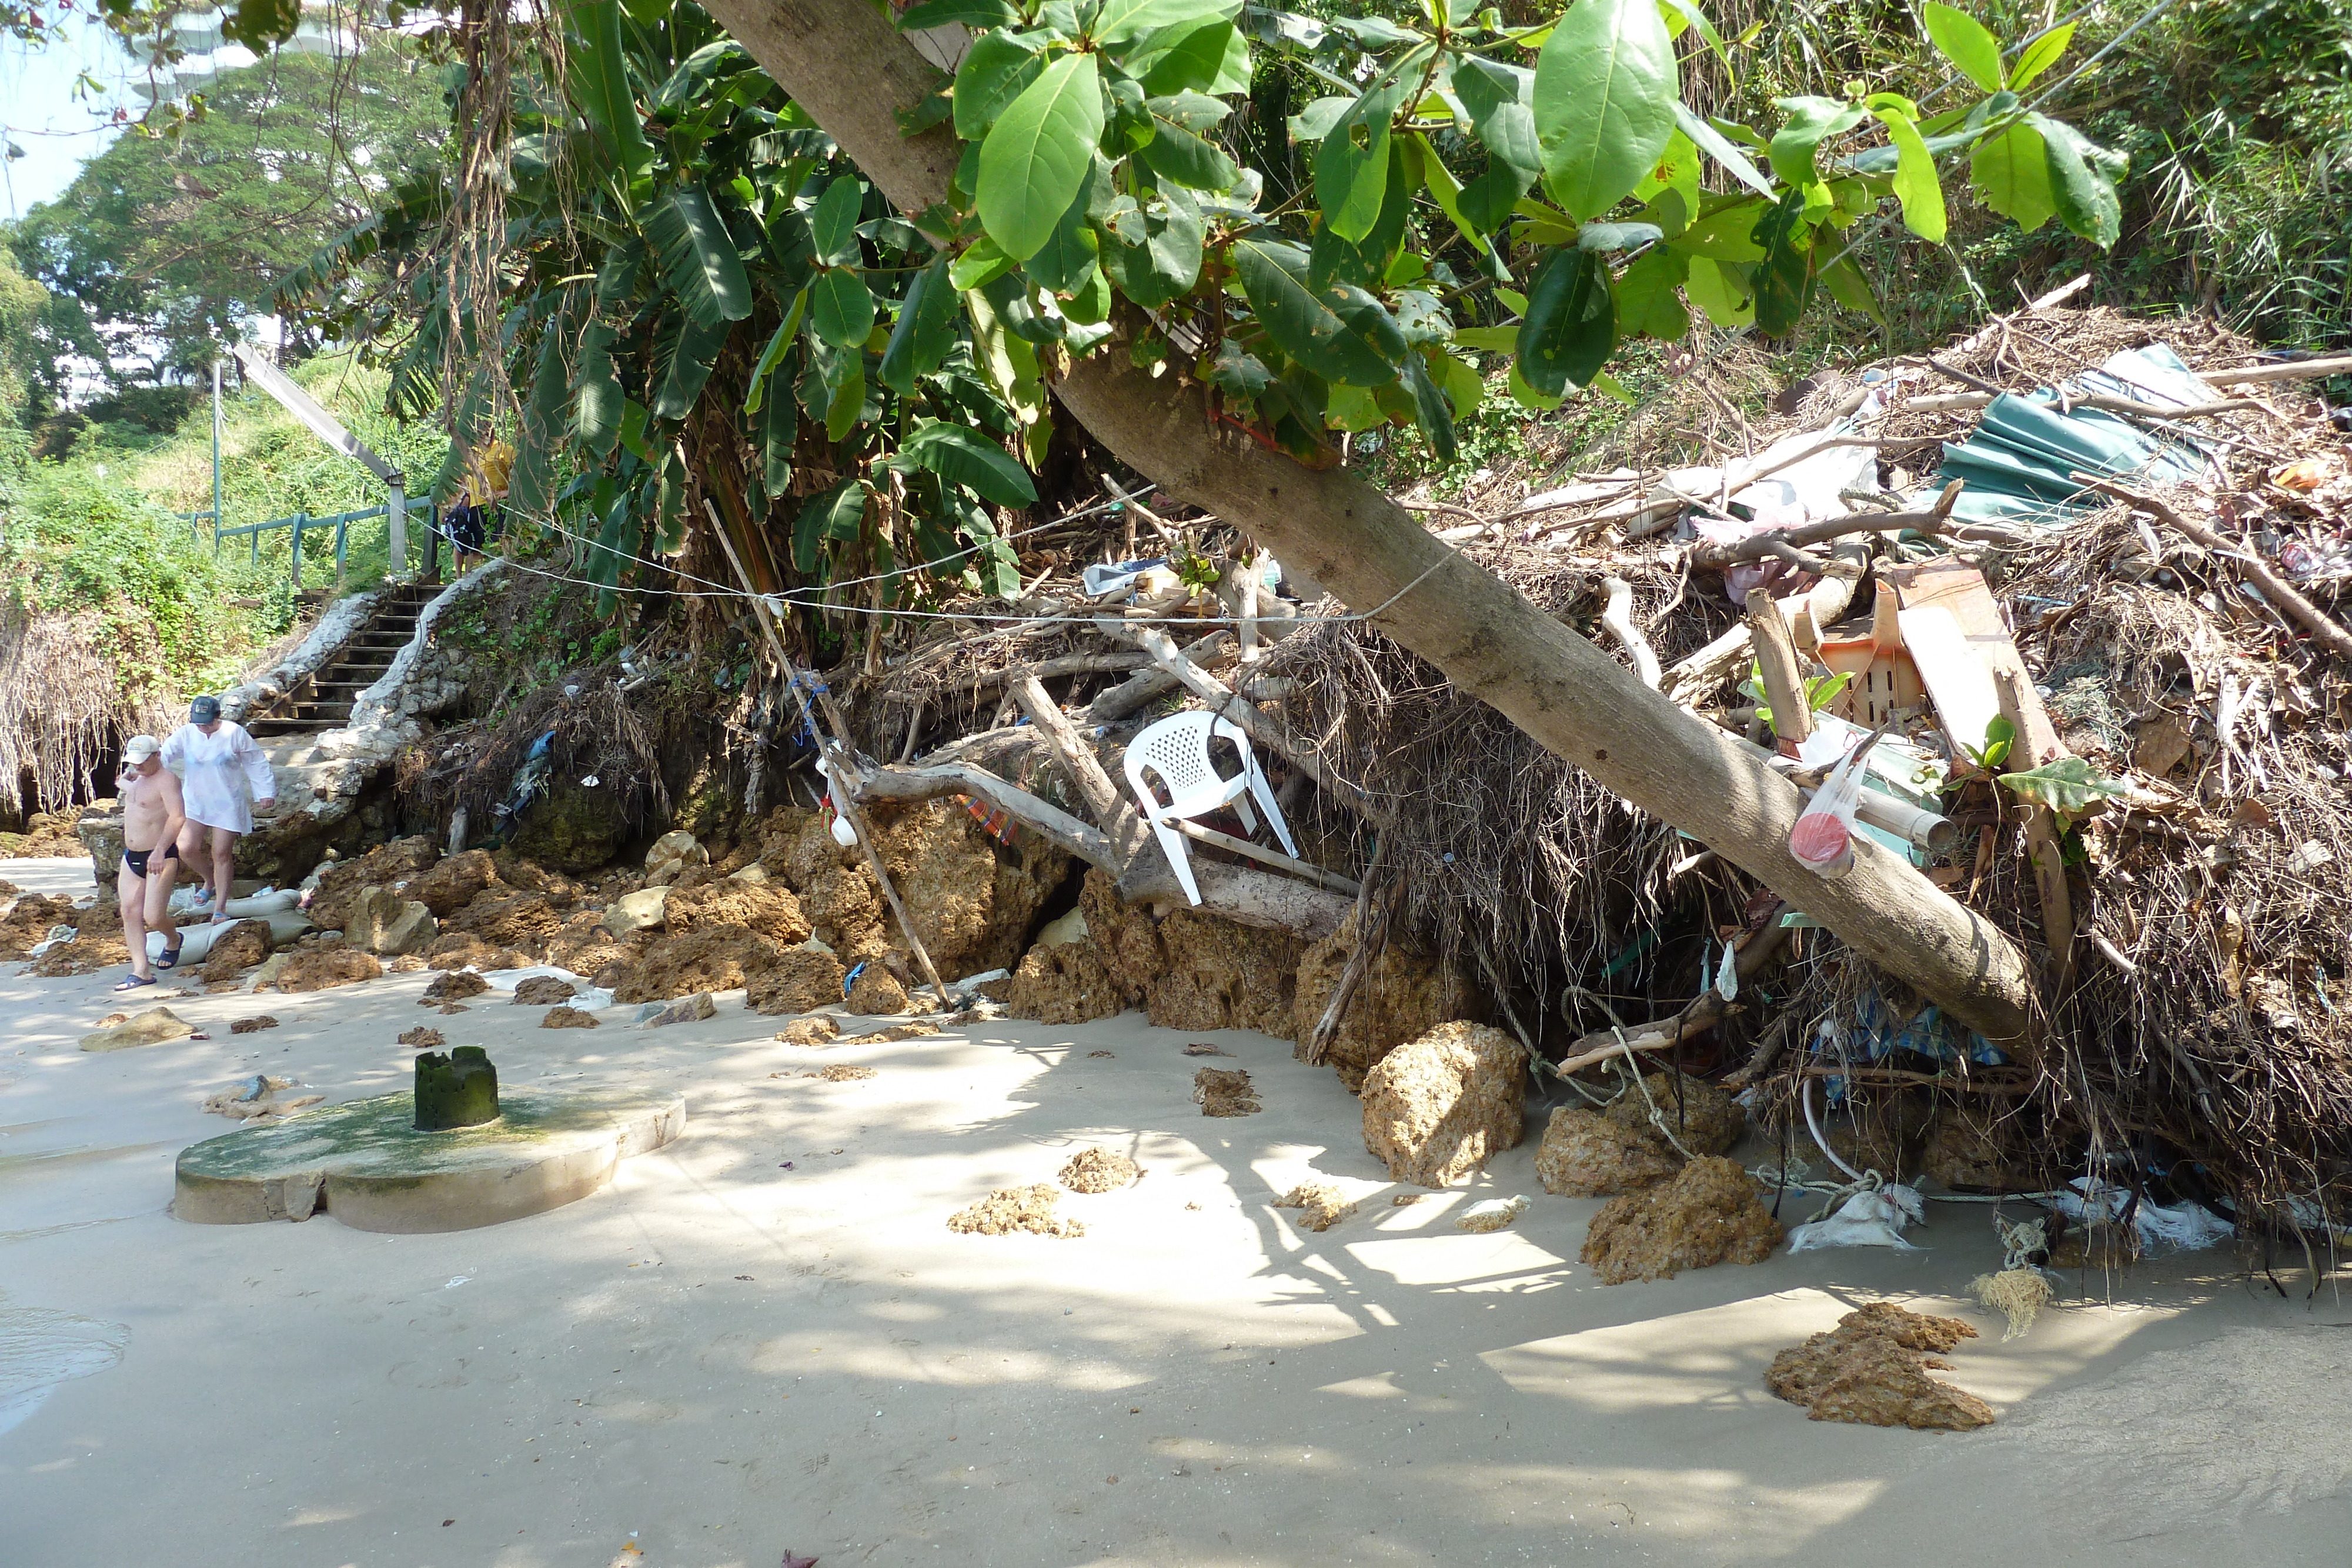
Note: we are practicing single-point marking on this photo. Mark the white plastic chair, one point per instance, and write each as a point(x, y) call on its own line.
point(1177, 750)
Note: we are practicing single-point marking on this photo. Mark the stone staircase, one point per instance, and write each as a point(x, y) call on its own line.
point(323, 700)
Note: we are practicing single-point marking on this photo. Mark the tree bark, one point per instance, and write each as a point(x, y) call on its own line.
point(845, 64)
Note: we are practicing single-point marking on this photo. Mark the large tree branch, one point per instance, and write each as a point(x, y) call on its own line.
point(844, 64)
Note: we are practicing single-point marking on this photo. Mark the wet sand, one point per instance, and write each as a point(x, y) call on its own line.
point(763, 1339)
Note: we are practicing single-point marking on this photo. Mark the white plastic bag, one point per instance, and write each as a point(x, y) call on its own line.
point(2182, 1228)
point(1864, 1220)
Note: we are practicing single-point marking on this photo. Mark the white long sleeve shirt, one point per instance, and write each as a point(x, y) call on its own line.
point(211, 767)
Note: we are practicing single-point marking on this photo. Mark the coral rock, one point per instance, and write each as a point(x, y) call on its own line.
point(638, 911)
point(237, 950)
point(505, 918)
point(455, 882)
point(876, 993)
point(800, 981)
point(715, 958)
point(1220, 1093)
point(1064, 983)
point(323, 967)
point(1585, 1155)
point(1011, 1208)
point(424, 1038)
point(543, 991)
point(382, 922)
point(1098, 1170)
point(253, 1025)
point(1702, 1117)
point(453, 986)
point(28, 922)
point(689, 1010)
point(767, 908)
point(386, 865)
point(1321, 1205)
point(818, 1031)
point(1438, 1107)
point(1872, 1369)
point(464, 951)
point(567, 1017)
point(152, 1027)
point(1708, 1214)
point(1404, 994)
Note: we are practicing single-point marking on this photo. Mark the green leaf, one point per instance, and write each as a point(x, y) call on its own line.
point(598, 398)
point(1352, 409)
point(1175, 153)
point(542, 416)
point(1727, 234)
point(973, 14)
point(1498, 99)
point(1571, 324)
point(2011, 173)
point(1695, 18)
point(995, 70)
point(1430, 411)
point(1165, 260)
point(1064, 261)
point(841, 308)
point(1351, 177)
point(1313, 122)
point(1365, 262)
point(833, 226)
point(2040, 56)
point(962, 456)
point(1721, 288)
point(597, 70)
point(777, 433)
point(1466, 389)
point(1849, 289)
point(1963, 40)
point(1490, 339)
point(981, 264)
point(1646, 303)
point(1784, 284)
point(1713, 142)
point(1809, 122)
point(1605, 90)
point(1135, 18)
point(2082, 180)
point(837, 513)
point(1009, 361)
point(1916, 185)
point(1038, 154)
point(2068, 787)
point(786, 332)
point(1306, 325)
point(685, 363)
point(1618, 236)
point(925, 330)
point(1208, 56)
point(2000, 735)
point(1527, 396)
point(698, 260)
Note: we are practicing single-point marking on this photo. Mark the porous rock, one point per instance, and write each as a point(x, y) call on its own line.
point(1709, 1213)
point(237, 949)
point(1098, 1170)
point(876, 993)
point(455, 985)
point(342, 881)
point(820, 1030)
point(380, 921)
point(584, 946)
point(1221, 1092)
point(543, 991)
point(454, 882)
point(1703, 1118)
point(843, 907)
point(1585, 1155)
point(972, 900)
point(464, 951)
point(1872, 1369)
point(1193, 971)
point(715, 958)
point(28, 920)
point(423, 1039)
point(504, 918)
point(1011, 1208)
point(1404, 994)
point(1439, 1106)
point(799, 981)
point(152, 1027)
point(253, 1025)
point(767, 908)
point(687, 1010)
point(567, 1017)
point(1321, 1205)
point(324, 966)
point(1067, 983)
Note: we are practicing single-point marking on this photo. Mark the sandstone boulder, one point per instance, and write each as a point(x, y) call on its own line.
point(237, 950)
point(453, 882)
point(1438, 1107)
point(1064, 983)
point(1703, 1118)
point(1404, 994)
point(1193, 971)
point(504, 918)
point(688, 1010)
point(1709, 1213)
point(382, 922)
point(638, 911)
point(820, 1030)
point(1585, 1155)
point(800, 981)
point(1872, 1369)
point(152, 1027)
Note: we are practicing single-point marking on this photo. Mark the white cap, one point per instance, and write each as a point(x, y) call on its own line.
point(139, 748)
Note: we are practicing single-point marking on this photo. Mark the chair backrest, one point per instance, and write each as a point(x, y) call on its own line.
point(1177, 749)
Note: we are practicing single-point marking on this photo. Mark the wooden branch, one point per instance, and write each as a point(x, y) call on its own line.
point(1331, 879)
point(1076, 757)
point(1827, 601)
point(1152, 684)
point(2258, 375)
point(1709, 1010)
point(1049, 821)
point(1617, 617)
point(2058, 296)
point(1066, 664)
point(2042, 850)
point(1935, 520)
point(2276, 588)
point(1372, 934)
point(1776, 659)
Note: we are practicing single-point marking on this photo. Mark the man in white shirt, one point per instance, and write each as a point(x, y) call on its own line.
point(217, 762)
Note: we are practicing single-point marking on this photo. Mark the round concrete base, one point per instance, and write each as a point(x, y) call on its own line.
point(364, 1163)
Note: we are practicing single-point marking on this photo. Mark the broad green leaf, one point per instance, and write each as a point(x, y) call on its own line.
point(2082, 190)
point(1194, 111)
point(1466, 389)
point(1605, 90)
point(2011, 173)
point(1849, 289)
point(1809, 122)
point(1062, 262)
point(1721, 288)
point(1727, 234)
point(1161, 258)
point(973, 14)
point(1352, 409)
point(777, 432)
point(2070, 786)
point(597, 69)
point(837, 513)
point(685, 361)
point(981, 264)
point(925, 330)
point(2040, 56)
point(1439, 180)
point(995, 70)
point(1175, 153)
point(1646, 303)
point(1351, 177)
point(833, 226)
point(1618, 236)
point(1335, 258)
point(542, 414)
point(1527, 396)
point(1571, 324)
point(1208, 56)
point(1489, 339)
point(1691, 15)
point(841, 308)
point(1432, 412)
point(1008, 362)
point(1313, 122)
point(1038, 154)
point(699, 259)
point(1613, 389)
point(1715, 145)
point(1307, 324)
point(1120, 19)
point(786, 332)
point(599, 398)
point(1963, 40)
point(1677, 169)
point(1784, 283)
point(1089, 305)
point(1497, 99)
point(1916, 185)
point(962, 456)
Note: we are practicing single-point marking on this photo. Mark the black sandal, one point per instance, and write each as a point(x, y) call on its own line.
point(171, 958)
point(133, 982)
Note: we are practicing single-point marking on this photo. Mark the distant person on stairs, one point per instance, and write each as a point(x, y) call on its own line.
point(218, 762)
point(487, 474)
point(152, 815)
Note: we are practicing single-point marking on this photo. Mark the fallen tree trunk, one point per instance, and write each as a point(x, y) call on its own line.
point(845, 64)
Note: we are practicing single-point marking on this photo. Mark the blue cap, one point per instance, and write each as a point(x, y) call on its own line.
point(204, 710)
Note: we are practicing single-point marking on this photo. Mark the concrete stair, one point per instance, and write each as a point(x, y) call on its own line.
point(324, 701)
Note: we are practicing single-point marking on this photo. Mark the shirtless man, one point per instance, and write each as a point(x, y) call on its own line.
point(153, 816)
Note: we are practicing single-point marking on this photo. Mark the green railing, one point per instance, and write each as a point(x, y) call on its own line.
point(425, 539)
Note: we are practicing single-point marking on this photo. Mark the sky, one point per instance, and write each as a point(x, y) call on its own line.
point(40, 113)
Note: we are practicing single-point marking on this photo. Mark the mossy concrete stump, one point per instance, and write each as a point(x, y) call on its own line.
point(459, 1090)
point(366, 1163)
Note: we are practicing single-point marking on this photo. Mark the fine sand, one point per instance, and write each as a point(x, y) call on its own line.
point(763, 1341)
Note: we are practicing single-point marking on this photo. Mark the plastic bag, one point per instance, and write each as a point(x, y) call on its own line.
point(2183, 1227)
point(1823, 840)
point(1866, 1219)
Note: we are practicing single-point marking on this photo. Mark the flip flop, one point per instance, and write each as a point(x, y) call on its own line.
point(133, 982)
point(171, 958)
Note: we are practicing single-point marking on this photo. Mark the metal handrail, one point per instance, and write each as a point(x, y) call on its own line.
point(299, 522)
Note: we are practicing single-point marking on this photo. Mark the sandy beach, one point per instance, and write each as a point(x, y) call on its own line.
point(763, 1340)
